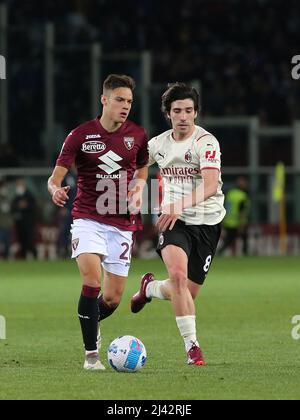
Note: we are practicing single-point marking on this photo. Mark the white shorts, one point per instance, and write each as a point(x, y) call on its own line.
point(92, 237)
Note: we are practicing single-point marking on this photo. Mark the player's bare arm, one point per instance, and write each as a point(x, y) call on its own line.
point(136, 191)
point(171, 212)
point(59, 194)
point(208, 188)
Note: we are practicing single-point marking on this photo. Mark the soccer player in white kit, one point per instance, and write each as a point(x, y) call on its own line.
point(192, 210)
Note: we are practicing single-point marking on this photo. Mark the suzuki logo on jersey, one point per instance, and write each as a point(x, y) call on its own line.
point(93, 147)
point(110, 159)
point(129, 142)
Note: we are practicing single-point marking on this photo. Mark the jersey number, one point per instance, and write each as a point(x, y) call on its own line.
point(126, 254)
point(207, 263)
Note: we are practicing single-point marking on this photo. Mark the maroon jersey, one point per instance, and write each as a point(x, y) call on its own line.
point(106, 163)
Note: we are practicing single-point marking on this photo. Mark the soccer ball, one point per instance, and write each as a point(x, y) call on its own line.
point(126, 354)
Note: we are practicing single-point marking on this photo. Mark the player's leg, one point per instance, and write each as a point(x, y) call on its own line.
point(205, 241)
point(112, 292)
point(161, 289)
point(89, 248)
point(89, 266)
point(194, 288)
point(5, 240)
point(176, 262)
point(149, 288)
point(245, 242)
point(116, 267)
point(21, 239)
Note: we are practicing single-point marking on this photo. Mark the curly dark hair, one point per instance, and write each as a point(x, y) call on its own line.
point(175, 92)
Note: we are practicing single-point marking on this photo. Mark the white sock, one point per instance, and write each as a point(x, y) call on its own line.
point(187, 328)
point(153, 289)
point(87, 353)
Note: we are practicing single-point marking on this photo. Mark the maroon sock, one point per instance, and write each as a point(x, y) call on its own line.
point(88, 314)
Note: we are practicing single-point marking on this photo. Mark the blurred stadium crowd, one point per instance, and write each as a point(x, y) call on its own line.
point(240, 50)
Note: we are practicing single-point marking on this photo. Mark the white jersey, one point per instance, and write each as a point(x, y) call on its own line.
point(180, 164)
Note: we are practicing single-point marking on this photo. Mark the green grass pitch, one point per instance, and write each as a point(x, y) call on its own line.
point(244, 321)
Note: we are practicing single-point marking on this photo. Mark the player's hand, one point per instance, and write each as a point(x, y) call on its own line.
point(60, 196)
point(169, 216)
point(134, 199)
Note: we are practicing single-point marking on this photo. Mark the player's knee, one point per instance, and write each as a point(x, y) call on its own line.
point(178, 279)
point(90, 277)
point(112, 301)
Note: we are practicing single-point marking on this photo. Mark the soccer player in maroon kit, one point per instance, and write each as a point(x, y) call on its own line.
point(111, 156)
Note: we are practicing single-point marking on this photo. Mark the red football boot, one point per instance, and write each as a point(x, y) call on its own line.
point(195, 356)
point(139, 300)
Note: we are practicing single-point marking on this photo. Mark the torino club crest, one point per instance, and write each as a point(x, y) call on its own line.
point(129, 142)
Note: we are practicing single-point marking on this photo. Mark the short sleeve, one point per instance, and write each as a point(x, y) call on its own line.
point(151, 146)
point(143, 155)
point(69, 151)
point(209, 153)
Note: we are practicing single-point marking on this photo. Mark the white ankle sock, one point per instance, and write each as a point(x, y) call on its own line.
point(187, 328)
point(88, 353)
point(153, 289)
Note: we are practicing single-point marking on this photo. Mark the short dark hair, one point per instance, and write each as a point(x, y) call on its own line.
point(177, 91)
point(114, 81)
